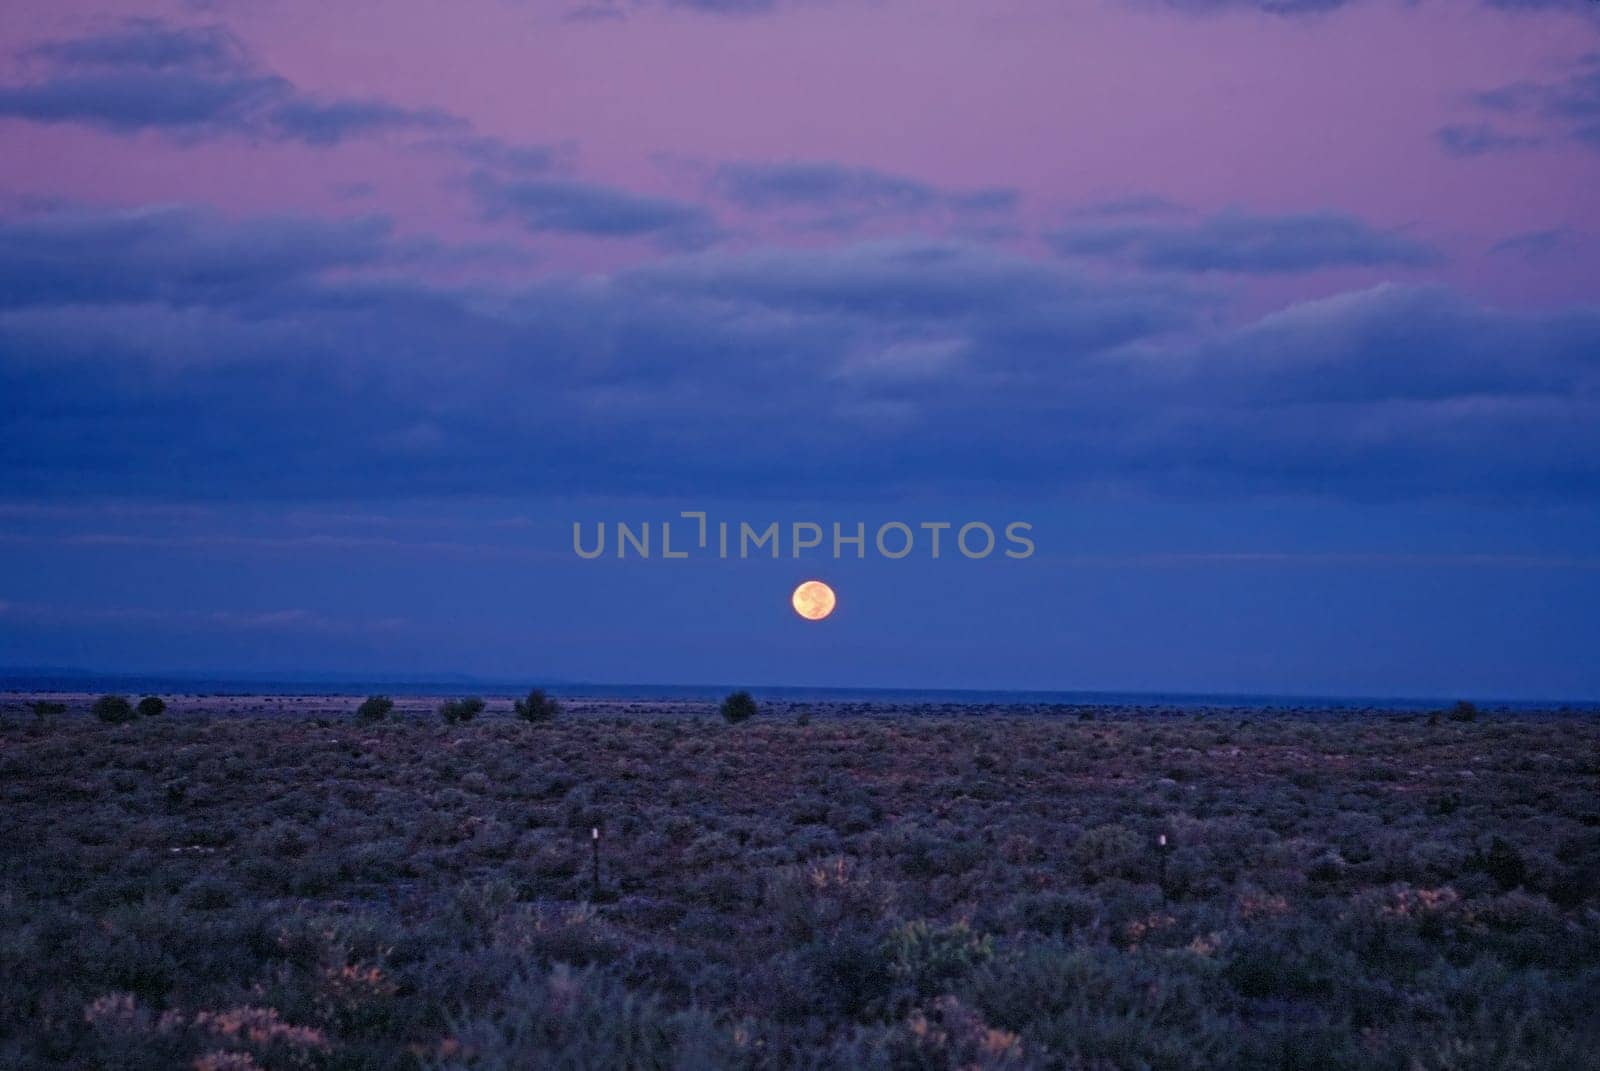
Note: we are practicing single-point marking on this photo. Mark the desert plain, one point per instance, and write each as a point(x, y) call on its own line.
point(263, 882)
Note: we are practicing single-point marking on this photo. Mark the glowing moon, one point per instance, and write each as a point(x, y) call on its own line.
point(813, 600)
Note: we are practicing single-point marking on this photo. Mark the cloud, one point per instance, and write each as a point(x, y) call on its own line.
point(1318, 7)
point(1393, 344)
point(511, 157)
point(1562, 109)
point(786, 185)
point(1133, 204)
point(728, 7)
point(191, 82)
point(596, 12)
point(174, 255)
point(1534, 245)
point(132, 100)
point(1235, 241)
point(1394, 392)
point(328, 122)
point(1271, 7)
point(1542, 5)
point(1480, 139)
point(847, 195)
point(617, 9)
point(875, 368)
point(561, 206)
point(149, 44)
point(292, 620)
point(610, 10)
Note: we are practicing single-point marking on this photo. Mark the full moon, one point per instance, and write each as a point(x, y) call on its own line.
point(813, 600)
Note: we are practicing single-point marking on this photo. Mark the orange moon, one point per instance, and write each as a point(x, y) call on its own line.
point(813, 600)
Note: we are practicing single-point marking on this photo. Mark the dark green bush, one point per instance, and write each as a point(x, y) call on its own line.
point(151, 705)
point(740, 706)
point(374, 708)
point(538, 707)
point(45, 708)
point(1464, 711)
point(456, 711)
point(848, 972)
point(113, 709)
point(928, 958)
point(1504, 863)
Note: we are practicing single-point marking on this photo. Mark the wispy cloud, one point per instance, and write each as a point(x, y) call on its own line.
point(1244, 242)
point(1532, 113)
point(1290, 8)
point(192, 82)
point(223, 542)
point(1534, 245)
point(566, 206)
point(290, 621)
point(614, 10)
point(848, 194)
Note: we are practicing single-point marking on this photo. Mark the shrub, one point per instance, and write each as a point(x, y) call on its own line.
point(1464, 711)
point(1504, 863)
point(928, 958)
point(740, 706)
point(151, 705)
point(113, 709)
point(374, 708)
point(582, 1018)
point(1057, 913)
point(1111, 851)
point(849, 974)
point(45, 708)
point(538, 707)
point(455, 711)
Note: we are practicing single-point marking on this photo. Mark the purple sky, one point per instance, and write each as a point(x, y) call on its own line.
point(1190, 265)
point(1069, 105)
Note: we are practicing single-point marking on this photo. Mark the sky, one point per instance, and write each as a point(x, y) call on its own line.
point(1275, 321)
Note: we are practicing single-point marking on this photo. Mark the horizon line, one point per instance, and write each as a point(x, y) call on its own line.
point(12, 676)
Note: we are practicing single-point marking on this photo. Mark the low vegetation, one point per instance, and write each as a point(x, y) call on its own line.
point(537, 707)
point(738, 707)
point(113, 709)
point(374, 708)
point(884, 891)
point(459, 711)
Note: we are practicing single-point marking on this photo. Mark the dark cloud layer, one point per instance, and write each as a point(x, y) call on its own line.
point(1528, 114)
point(180, 355)
point(1243, 242)
point(172, 256)
point(148, 44)
point(618, 9)
point(1316, 7)
point(1480, 139)
point(830, 187)
point(611, 10)
point(191, 82)
point(560, 206)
